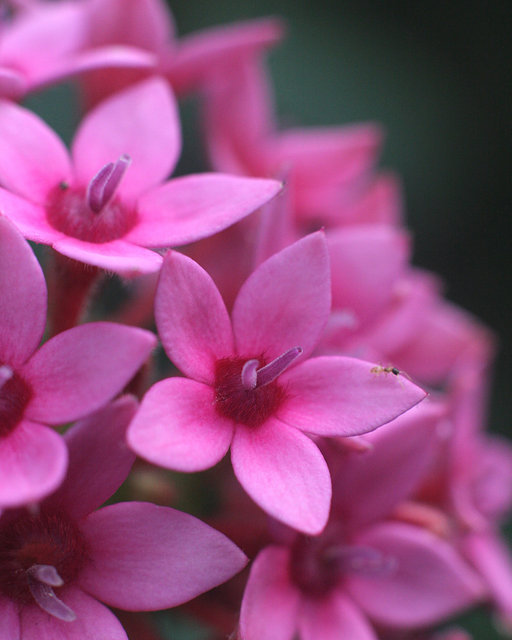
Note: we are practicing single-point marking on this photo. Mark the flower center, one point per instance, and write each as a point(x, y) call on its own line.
point(246, 390)
point(94, 214)
point(14, 397)
point(38, 553)
point(317, 565)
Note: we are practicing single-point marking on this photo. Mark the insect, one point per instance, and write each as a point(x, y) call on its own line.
point(378, 369)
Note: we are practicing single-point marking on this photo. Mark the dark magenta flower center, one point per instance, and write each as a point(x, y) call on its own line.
point(15, 394)
point(245, 406)
point(318, 565)
point(93, 214)
point(29, 542)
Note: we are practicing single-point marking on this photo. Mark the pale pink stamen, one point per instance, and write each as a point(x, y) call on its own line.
point(364, 560)
point(273, 369)
point(249, 374)
point(104, 184)
point(41, 580)
point(6, 373)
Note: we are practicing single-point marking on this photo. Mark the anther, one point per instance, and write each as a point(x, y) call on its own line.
point(272, 370)
point(41, 580)
point(104, 184)
point(6, 373)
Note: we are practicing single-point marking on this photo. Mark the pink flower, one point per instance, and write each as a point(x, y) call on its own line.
point(328, 170)
point(249, 384)
point(46, 43)
point(364, 568)
point(148, 26)
point(71, 375)
point(57, 562)
point(107, 204)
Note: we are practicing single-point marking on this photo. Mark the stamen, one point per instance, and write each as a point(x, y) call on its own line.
point(6, 373)
point(104, 184)
point(41, 579)
point(249, 375)
point(363, 560)
point(271, 371)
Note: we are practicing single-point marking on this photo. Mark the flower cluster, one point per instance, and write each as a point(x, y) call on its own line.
point(351, 396)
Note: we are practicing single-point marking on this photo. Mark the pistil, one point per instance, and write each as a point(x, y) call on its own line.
point(252, 377)
point(102, 187)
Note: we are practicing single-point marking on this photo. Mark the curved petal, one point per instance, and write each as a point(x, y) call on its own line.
point(80, 370)
point(9, 620)
point(390, 470)
point(285, 302)
point(33, 159)
point(93, 621)
point(270, 606)
point(333, 618)
point(29, 218)
point(145, 557)
point(196, 206)
point(191, 318)
point(22, 288)
point(200, 53)
point(430, 582)
point(33, 462)
point(142, 122)
point(177, 427)
point(99, 460)
point(284, 473)
point(338, 396)
point(119, 256)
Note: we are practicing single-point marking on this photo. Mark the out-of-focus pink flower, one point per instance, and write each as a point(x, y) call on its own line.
point(328, 170)
point(58, 561)
point(49, 42)
point(71, 375)
point(364, 568)
point(108, 203)
point(148, 26)
point(250, 384)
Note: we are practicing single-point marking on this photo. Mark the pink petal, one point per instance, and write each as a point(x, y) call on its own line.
point(284, 473)
point(142, 122)
point(334, 395)
point(405, 447)
point(9, 620)
point(491, 557)
point(366, 262)
point(270, 606)
point(80, 370)
point(238, 115)
point(327, 154)
point(110, 58)
point(29, 218)
point(147, 24)
point(177, 427)
point(196, 206)
point(33, 159)
point(33, 462)
point(93, 621)
point(200, 53)
point(145, 557)
point(119, 256)
point(430, 583)
point(22, 287)
point(12, 84)
point(285, 302)
point(191, 318)
point(99, 459)
point(333, 618)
